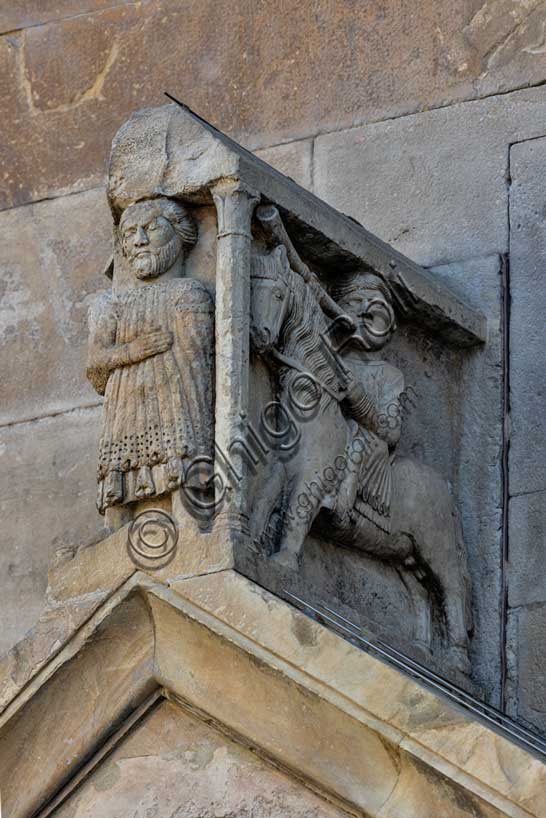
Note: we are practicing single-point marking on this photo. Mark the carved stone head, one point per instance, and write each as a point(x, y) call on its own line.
point(154, 235)
point(367, 299)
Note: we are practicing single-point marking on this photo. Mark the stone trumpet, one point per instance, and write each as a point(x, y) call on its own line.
point(272, 224)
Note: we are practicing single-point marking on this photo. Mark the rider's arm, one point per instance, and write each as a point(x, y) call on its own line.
point(383, 417)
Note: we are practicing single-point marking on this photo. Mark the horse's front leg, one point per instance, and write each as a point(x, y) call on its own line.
point(315, 474)
point(305, 498)
point(266, 505)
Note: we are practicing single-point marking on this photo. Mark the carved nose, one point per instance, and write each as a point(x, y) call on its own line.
point(141, 237)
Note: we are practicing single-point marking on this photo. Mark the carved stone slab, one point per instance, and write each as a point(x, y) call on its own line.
point(255, 396)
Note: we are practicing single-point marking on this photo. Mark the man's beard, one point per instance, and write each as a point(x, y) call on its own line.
point(153, 263)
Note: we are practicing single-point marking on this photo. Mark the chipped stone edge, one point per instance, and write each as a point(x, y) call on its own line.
point(331, 690)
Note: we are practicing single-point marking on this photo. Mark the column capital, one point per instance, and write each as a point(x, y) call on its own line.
point(235, 202)
point(231, 187)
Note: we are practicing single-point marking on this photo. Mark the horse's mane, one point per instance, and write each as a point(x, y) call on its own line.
point(303, 326)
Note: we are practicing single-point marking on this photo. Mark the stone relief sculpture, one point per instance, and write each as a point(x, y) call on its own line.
point(344, 481)
point(185, 374)
point(151, 356)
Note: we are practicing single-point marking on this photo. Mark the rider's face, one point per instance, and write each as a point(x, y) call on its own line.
point(356, 304)
point(373, 317)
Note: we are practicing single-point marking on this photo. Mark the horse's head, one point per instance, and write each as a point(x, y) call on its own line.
point(269, 300)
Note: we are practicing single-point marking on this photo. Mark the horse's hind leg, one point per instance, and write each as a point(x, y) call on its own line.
point(424, 509)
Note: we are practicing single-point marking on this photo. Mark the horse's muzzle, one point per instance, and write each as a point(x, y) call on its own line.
point(261, 339)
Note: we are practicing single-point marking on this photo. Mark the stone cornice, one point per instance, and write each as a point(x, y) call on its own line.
point(164, 144)
point(272, 678)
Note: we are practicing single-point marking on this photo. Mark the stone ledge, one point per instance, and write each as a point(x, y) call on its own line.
point(267, 673)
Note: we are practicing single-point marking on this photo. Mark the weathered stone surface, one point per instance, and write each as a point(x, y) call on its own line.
point(454, 400)
point(171, 152)
point(308, 70)
point(474, 416)
point(174, 764)
point(50, 267)
point(526, 537)
point(55, 626)
point(101, 568)
point(302, 710)
point(47, 503)
point(435, 184)
point(527, 430)
point(294, 159)
point(111, 672)
point(526, 643)
point(527, 310)
point(276, 681)
point(430, 728)
point(151, 354)
point(140, 167)
point(26, 13)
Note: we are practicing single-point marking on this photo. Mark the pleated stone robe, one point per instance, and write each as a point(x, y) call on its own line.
point(158, 413)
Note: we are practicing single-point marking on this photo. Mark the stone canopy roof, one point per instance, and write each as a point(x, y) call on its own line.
point(170, 151)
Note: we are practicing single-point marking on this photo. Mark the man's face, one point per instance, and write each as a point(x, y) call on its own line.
point(373, 318)
point(356, 304)
point(149, 242)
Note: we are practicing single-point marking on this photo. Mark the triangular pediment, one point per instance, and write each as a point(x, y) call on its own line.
point(258, 670)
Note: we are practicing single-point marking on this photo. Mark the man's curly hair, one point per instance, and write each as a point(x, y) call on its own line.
point(181, 221)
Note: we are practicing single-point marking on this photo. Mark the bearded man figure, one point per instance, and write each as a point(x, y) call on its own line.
point(151, 356)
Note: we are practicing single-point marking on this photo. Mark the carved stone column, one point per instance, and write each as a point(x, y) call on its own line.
point(235, 204)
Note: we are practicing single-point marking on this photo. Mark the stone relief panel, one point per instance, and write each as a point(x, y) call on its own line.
point(336, 408)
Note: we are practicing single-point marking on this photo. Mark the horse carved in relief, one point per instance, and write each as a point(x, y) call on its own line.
point(391, 508)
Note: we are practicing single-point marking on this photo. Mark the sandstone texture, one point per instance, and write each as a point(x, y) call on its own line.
point(51, 267)
point(435, 185)
point(174, 764)
point(268, 73)
point(294, 159)
point(281, 689)
point(52, 462)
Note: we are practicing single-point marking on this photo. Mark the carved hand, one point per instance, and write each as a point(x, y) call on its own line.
point(153, 343)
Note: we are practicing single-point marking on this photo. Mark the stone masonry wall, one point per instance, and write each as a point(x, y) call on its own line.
point(401, 114)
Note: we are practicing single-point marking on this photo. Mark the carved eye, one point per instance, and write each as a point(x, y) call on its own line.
point(153, 226)
point(278, 294)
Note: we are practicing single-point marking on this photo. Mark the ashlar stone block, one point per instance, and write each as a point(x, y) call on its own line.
point(50, 268)
point(434, 185)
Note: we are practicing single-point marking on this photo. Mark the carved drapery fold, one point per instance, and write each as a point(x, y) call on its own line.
point(157, 413)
